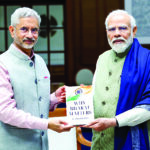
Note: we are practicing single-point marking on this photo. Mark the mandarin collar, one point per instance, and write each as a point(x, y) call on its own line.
point(17, 52)
point(121, 55)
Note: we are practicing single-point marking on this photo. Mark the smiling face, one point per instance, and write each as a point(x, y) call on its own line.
point(119, 32)
point(25, 34)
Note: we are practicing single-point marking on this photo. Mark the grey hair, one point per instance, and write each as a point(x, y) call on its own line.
point(119, 11)
point(24, 12)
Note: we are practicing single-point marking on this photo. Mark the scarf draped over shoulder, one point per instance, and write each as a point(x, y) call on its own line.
point(134, 92)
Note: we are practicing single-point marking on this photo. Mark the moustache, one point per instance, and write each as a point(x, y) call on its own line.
point(29, 39)
point(117, 39)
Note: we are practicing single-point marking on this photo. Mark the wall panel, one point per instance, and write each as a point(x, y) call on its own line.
point(88, 32)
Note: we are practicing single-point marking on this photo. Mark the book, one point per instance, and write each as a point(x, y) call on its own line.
point(79, 104)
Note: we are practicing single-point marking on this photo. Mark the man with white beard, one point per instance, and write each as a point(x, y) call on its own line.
point(121, 88)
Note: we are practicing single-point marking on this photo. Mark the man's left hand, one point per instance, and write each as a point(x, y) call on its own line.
point(60, 93)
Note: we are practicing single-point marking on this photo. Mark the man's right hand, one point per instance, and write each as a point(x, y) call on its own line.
point(58, 125)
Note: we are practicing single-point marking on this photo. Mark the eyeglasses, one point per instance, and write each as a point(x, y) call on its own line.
point(26, 30)
point(120, 28)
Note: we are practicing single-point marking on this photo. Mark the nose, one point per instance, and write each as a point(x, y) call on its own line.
point(29, 34)
point(117, 33)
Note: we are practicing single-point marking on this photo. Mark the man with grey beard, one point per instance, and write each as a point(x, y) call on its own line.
point(121, 88)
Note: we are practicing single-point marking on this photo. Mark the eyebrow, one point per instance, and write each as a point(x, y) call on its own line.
point(122, 25)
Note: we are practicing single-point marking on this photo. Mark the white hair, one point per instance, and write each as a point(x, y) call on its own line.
point(24, 12)
point(118, 12)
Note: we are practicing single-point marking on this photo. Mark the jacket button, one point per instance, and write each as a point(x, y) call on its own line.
point(42, 133)
point(110, 73)
point(107, 88)
point(115, 60)
point(40, 98)
point(35, 81)
point(103, 102)
point(31, 64)
point(102, 134)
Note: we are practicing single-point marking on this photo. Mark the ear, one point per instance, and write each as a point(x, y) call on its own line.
point(11, 30)
point(134, 31)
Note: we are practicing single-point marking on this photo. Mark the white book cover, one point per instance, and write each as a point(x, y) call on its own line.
point(79, 103)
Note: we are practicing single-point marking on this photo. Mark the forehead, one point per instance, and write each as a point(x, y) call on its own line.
point(28, 22)
point(119, 19)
